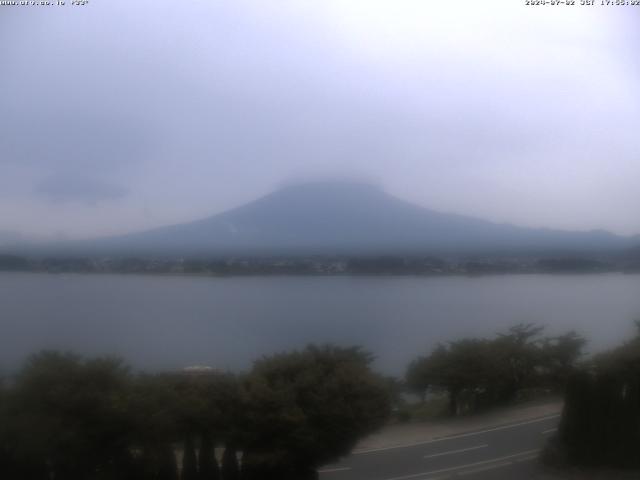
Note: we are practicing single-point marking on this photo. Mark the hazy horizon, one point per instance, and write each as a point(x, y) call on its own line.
point(120, 117)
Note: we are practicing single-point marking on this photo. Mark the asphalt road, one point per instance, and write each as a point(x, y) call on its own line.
point(500, 452)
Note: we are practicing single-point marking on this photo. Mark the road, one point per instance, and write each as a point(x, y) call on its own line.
point(501, 452)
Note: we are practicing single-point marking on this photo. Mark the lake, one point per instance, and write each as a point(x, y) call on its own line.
point(167, 322)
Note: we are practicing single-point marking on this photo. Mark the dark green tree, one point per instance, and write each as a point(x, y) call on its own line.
point(189, 460)
point(208, 468)
point(479, 373)
point(72, 414)
point(155, 414)
point(167, 468)
point(308, 408)
point(517, 354)
point(462, 369)
point(559, 359)
point(230, 468)
point(600, 424)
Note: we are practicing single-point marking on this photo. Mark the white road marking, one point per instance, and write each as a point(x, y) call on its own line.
point(527, 459)
point(451, 452)
point(337, 469)
point(454, 437)
point(551, 430)
point(499, 461)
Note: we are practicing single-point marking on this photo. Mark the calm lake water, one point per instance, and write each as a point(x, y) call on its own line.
point(171, 322)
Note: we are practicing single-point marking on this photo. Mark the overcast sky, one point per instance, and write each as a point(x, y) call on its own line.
point(123, 115)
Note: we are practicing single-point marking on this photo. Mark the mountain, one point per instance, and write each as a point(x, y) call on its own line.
point(345, 217)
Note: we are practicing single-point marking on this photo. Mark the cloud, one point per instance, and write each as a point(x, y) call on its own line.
point(89, 138)
point(79, 189)
point(495, 111)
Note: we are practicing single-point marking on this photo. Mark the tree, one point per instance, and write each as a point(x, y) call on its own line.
point(478, 373)
point(166, 463)
point(154, 411)
point(208, 468)
point(17, 459)
point(230, 468)
point(189, 460)
point(184, 409)
point(8, 465)
point(600, 424)
point(71, 414)
point(420, 372)
point(308, 408)
point(461, 368)
point(560, 356)
point(517, 356)
point(72, 418)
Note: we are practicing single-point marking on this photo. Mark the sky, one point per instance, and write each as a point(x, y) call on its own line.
point(119, 116)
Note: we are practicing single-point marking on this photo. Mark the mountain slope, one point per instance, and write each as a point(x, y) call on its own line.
point(341, 217)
